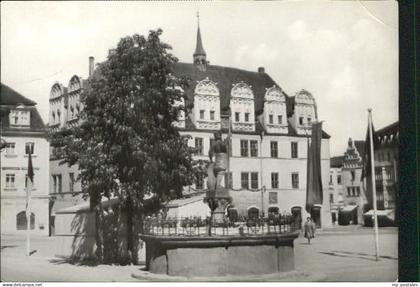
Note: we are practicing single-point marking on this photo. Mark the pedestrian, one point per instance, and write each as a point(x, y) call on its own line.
point(309, 229)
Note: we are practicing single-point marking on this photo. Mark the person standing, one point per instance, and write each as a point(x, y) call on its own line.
point(309, 229)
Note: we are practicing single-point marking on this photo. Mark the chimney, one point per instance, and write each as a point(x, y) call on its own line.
point(91, 65)
point(261, 70)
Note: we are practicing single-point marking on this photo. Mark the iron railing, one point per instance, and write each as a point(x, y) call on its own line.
point(197, 226)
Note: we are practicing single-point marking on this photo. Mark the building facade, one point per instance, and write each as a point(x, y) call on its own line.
point(335, 187)
point(386, 159)
point(65, 105)
point(270, 130)
point(354, 194)
point(22, 133)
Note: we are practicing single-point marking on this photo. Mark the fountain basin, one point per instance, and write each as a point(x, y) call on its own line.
point(198, 256)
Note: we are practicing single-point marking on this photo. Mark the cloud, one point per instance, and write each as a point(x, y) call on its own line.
point(297, 30)
point(257, 55)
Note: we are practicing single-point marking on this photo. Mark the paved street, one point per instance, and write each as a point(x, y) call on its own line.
point(341, 253)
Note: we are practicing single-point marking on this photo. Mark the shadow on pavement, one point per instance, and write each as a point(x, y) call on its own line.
point(343, 255)
point(365, 254)
point(8, 246)
point(73, 261)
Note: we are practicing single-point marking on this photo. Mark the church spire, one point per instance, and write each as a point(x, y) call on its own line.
point(199, 55)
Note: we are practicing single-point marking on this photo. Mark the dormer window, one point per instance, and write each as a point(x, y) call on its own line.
point(19, 117)
point(275, 110)
point(242, 101)
point(309, 120)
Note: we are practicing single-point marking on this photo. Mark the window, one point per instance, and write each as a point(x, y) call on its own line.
point(10, 180)
point(270, 119)
point(199, 182)
point(244, 148)
point(229, 180)
point(10, 148)
point(274, 151)
point(331, 179)
point(254, 148)
point(244, 180)
point(201, 114)
point(331, 198)
point(29, 148)
point(212, 115)
point(274, 180)
point(294, 149)
point(348, 191)
point(272, 198)
point(295, 180)
point(254, 180)
point(199, 146)
point(20, 117)
point(71, 181)
point(338, 179)
point(280, 119)
point(236, 117)
point(353, 175)
point(357, 191)
point(57, 183)
point(301, 120)
point(26, 181)
point(309, 120)
point(247, 117)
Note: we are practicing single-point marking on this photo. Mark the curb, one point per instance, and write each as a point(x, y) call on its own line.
point(291, 276)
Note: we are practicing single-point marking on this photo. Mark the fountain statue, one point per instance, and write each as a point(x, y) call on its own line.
point(217, 196)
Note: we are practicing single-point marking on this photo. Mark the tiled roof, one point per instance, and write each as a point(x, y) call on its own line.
point(13, 98)
point(336, 161)
point(388, 135)
point(225, 78)
point(10, 99)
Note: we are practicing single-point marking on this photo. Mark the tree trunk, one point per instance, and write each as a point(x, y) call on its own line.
point(132, 236)
point(99, 232)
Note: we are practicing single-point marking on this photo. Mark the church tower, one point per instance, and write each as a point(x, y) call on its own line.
point(199, 55)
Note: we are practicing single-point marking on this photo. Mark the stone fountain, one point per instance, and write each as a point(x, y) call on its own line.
point(217, 196)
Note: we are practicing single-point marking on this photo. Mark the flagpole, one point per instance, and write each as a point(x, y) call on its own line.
point(29, 185)
point(372, 165)
point(28, 222)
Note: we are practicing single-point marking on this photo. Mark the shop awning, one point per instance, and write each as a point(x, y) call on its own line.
point(348, 208)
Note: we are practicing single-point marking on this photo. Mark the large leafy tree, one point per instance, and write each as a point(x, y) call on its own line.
point(126, 144)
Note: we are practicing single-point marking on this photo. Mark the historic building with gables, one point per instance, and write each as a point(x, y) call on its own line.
point(270, 130)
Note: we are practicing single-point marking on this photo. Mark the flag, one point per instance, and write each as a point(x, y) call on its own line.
point(367, 155)
point(29, 184)
point(314, 181)
point(367, 167)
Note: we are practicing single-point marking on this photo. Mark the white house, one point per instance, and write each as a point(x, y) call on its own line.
point(23, 132)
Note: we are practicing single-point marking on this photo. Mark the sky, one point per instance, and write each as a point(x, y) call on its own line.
point(344, 52)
